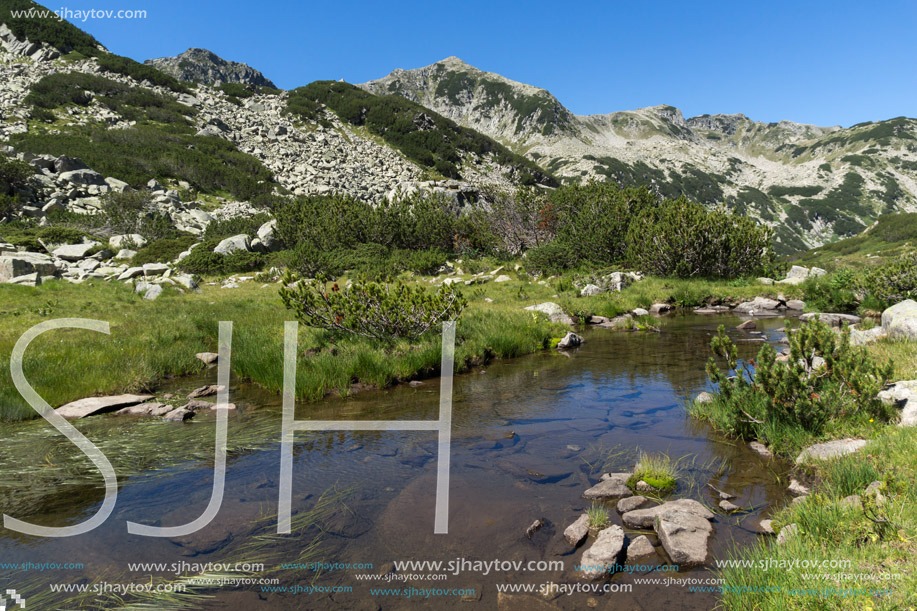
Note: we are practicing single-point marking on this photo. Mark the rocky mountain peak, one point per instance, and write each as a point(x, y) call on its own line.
point(204, 66)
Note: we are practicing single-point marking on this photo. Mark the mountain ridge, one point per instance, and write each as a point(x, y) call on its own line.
point(205, 66)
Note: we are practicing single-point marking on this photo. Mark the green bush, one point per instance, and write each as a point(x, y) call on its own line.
point(60, 34)
point(139, 72)
point(800, 394)
point(163, 251)
point(377, 311)
point(205, 262)
point(14, 175)
point(895, 281)
point(335, 233)
point(832, 293)
point(683, 239)
point(134, 212)
point(137, 154)
point(249, 225)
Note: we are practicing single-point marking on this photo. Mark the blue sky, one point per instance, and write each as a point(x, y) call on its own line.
point(827, 63)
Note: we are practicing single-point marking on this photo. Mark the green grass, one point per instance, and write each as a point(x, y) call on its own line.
point(880, 541)
point(152, 341)
point(657, 470)
point(890, 236)
point(598, 516)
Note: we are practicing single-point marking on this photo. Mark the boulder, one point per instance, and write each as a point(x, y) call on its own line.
point(233, 244)
point(660, 308)
point(729, 507)
point(83, 177)
point(267, 233)
point(640, 548)
point(830, 449)
point(208, 358)
point(759, 305)
point(640, 312)
point(204, 391)
point(796, 304)
point(748, 325)
point(683, 535)
point(99, 405)
point(590, 290)
point(25, 263)
point(179, 414)
point(131, 272)
point(154, 269)
point(502, 278)
point(74, 252)
point(766, 527)
point(68, 164)
point(760, 449)
point(576, 532)
point(33, 279)
point(599, 560)
point(570, 340)
point(796, 488)
point(554, 312)
point(154, 291)
point(704, 397)
point(645, 518)
point(118, 186)
point(900, 320)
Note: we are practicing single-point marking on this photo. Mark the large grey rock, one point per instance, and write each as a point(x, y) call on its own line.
point(861, 338)
point(83, 177)
point(660, 308)
point(154, 291)
point(590, 290)
point(599, 560)
point(99, 405)
point(612, 487)
point(835, 320)
point(683, 535)
point(131, 272)
point(645, 518)
point(154, 269)
point(900, 320)
point(830, 449)
point(759, 305)
point(570, 340)
point(208, 358)
point(74, 252)
point(235, 243)
point(904, 396)
point(554, 312)
point(23, 264)
point(68, 164)
point(577, 531)
point(267, 233)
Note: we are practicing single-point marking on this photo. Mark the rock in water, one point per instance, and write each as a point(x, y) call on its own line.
point(683, 535)
point(614, 486)
point(99, 405)
point(576, 532)
point(645, 518)
point(600, 558)
point(640, 547)
point(570, 340)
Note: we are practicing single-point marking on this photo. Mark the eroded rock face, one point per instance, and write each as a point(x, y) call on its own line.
point(203, 66)
point(600, 558)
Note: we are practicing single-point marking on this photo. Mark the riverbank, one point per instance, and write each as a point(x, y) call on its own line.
point(154, 340)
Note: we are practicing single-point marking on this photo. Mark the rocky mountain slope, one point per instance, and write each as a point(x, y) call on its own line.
point(203, 66)
point(812, 184)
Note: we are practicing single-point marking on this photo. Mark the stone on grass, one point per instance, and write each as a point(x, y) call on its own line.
point(830, 449)
point(208, 358)
point(233, 244)
point(554, 312)
point(900, 320)
point(704, 397)
point(786, 533)
point(766, 527)
point(796, 488)
point(74, 252)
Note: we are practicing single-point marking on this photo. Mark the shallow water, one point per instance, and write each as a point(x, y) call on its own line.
point(529, 435)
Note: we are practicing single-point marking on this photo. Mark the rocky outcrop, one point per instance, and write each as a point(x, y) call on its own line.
point(99, 405)
point(203, 66)
point(900, 320)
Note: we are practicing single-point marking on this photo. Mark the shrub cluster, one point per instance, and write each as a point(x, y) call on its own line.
point(137, 154)
point(376, 311)
point(205, 262)
point(14, 176)
point(824, 379)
